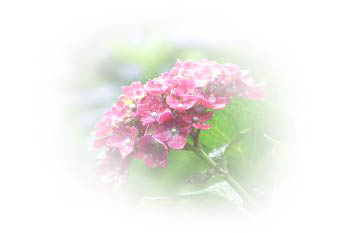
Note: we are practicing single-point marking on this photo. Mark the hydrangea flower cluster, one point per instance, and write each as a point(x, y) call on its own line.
point(149, 119)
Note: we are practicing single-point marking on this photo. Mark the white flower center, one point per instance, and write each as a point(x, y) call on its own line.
point(132, 106)
point(173, 130)
point(127, 141)
point(195, 119)
point(154, 115)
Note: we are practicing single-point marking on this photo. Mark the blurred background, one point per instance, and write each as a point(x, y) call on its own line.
point(108, 61)
point(64, 62)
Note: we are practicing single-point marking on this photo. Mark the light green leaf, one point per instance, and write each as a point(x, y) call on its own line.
point(219, 152)
point(222, 189)
point(227, 124)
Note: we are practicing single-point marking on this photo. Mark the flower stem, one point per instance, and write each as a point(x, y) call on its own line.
point(229, 179)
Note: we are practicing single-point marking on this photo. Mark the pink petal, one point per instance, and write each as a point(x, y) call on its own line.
point(139, 155)
point(147, 120)
point(125, 150)
point(256, 93)
point(154, 87)
point(207, 101)
point(205, 116)
point(98, 143)
point(189, 103)
point(149, 162)
point(220, 103)
point(178, 142)
point(164, 116)
point(163, 136)
point(187, 83)
point(186, 116)
point(161, 158)
point(201, 126)
point(172, 101)
point(132, 132)
point(163, 163)
point(114, 141)
point(142, 109)
point(101, 132)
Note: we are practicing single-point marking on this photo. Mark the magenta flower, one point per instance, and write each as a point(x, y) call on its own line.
point(182, 95)
point(113, 167)
point(248, 88)
point(167, 107)
point(135, 91)
point(103, 127)
point(173, 133)
point(213, 102)
point(99, 143)
point(199, 73)
point(155, 87)
point(181, 86)
point(123, 139)
point(112, 117)
point(196, 118)
point(156, 153)
point(181, 103)
point(152, 109)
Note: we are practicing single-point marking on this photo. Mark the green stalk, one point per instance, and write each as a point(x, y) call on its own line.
point(228, 178)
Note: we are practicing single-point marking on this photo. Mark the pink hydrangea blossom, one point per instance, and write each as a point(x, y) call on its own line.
point(152, 109)
point(149, 119)
point(155, 153)
point(124, 139)
point(173, 133)
point(181, 103)
point(155, 87)
point(213, 102)
point(196, 118)
point(135, 91)
point(113, 167)
point(99, 143)
point(248, 88)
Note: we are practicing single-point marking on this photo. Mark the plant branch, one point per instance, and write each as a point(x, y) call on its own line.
point(197, 149)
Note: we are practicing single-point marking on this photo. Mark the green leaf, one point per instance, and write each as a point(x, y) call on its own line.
point(272, 140)
point(227, 124)
point(222, 189)
point(219, 152)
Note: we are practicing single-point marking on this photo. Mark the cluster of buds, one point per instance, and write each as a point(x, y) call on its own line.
point(149, 119)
